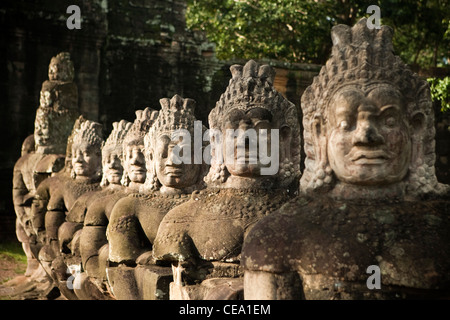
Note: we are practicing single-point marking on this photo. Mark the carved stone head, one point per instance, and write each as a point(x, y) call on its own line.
point(58, 110)
point(169, 149)
point(134, 169)
point(86, 148)
point(112, 153)
point(61, 68)
point(250, 119)
point(368, 120)
point(52, 129)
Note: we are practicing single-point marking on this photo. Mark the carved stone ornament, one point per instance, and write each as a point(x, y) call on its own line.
point(56, 195)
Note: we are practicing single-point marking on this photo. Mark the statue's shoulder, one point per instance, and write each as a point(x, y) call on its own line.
point(50, 163)
point(269, 243)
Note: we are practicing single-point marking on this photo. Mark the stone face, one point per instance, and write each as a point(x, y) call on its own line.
point(369, 193)
point(368, 121)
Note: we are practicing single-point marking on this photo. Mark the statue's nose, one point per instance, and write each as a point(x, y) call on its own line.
point(367, 134)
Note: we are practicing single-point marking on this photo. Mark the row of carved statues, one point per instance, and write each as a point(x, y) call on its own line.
point(124, 218)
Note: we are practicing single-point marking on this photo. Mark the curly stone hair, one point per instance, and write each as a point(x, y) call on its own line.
point(88, 133)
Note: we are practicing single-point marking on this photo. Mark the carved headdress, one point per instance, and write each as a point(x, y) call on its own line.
point(114, 143)
point(61, 68)
point(58, 124)
point(144, 120)
point(176, 114)
point(365, 57)
point(251, 86)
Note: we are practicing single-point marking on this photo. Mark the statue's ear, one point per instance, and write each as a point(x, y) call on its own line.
point(318, 129)
point(417, 122)
point(150, 155)
point(319, 138)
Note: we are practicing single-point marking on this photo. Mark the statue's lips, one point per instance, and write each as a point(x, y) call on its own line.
point(244, 155)
point(137, 170)
point(368, 156)
point(173, 172)
point(114, 172)
point(79, 165)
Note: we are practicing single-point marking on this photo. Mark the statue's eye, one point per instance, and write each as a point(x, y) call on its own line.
point(390, 121)
point(343, 125)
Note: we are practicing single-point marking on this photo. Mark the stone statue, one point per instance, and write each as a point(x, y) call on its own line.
point(93, 245)
point(56, 195)
point(135, 219)
point(70, 232)
point(206, 233)
point(370, 200)
point(54, 120)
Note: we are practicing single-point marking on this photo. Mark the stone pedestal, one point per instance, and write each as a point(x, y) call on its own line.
point(149, 282)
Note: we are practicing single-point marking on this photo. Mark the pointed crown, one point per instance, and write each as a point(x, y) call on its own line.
point(117, 136)
point(89, 133)
point(176, 113)
point(251, 86)
point(144, 120)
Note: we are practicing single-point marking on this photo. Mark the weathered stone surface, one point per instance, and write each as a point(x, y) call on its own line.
point(331, 243)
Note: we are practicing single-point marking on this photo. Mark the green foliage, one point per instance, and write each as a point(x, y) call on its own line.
point(422, 30)
point(292, 30)
point(440, 91)
point(299, 30)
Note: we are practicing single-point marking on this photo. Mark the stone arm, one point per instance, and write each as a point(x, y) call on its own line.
point(262, 285)
point(48, 210)
point(93, 236)
point(21, 200)
point(124, 233)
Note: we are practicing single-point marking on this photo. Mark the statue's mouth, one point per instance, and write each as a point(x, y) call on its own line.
point(173, 172)
point(137, 170)
point(368, 156)
point(243, 155)
point(114, 172)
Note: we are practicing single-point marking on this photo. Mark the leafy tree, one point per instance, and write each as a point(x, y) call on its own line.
point(440, 91)
point(422, 30)
point(299, 30)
